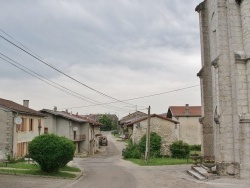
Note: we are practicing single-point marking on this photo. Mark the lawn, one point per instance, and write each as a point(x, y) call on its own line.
point(33, 169)
point(160, 161)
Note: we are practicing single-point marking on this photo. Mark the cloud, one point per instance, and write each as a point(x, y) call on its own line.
point(125, 48)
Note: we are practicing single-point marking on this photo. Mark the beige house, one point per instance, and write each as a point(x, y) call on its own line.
point(164, 127)
point(18, 126)
point(189, 126)
point(82, 131)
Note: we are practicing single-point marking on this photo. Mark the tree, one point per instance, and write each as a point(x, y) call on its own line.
point(106, 121)
point(51, 152)
point(155, 144)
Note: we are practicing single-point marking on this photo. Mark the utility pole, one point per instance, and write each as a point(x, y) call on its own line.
point(147, 152)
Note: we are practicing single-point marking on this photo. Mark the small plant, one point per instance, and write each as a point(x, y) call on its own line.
point(179, 149)
point(131, 151)
point(209, 161)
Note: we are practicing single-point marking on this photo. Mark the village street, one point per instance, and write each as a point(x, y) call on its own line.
point(109, 170)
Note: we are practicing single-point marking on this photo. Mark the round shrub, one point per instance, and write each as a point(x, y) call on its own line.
point(179, 149)
point(155, 144)
point(51, 152)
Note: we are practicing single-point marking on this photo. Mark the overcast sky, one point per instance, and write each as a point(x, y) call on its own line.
point(124, 49)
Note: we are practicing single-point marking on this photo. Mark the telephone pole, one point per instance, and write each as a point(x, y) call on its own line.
point(147, 152)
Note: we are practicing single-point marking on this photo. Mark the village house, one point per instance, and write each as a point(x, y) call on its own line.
point(164, 127)
point(189, 126)
point(127, 119)
point(82, 131)
point(19, 124)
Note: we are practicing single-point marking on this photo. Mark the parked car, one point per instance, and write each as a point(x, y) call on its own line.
point(103, 141)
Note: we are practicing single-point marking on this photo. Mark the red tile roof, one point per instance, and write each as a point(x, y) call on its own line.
point(179, 111)
point(18, 108)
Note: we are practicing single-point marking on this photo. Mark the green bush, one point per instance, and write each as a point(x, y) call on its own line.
point(51, 152)
point(195, 147)
point(179, 149)
point(155, 144)
point(131, 151)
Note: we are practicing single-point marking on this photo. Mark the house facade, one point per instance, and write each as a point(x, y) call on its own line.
point(82, 131)
point(189, 126)
point(225, 83)
point(164, 127)
point(18, 126)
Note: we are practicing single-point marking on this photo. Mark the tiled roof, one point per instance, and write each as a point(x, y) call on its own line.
point(132, 117)
point(18, 108)
point(179, 111)
point(151, 116)
point(72, 117)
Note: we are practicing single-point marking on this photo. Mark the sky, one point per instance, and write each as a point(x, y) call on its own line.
point(100, 56)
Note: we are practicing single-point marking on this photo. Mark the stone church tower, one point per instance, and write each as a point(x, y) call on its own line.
point(225, 84)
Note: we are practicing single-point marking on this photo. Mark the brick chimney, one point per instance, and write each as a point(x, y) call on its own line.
point(26, 103)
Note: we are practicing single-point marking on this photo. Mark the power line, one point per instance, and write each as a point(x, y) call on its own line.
point(61, 72)
point(44, 79)
point(136, 98)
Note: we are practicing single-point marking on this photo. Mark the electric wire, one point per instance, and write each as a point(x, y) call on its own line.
point(55, 85)
point(61, 72)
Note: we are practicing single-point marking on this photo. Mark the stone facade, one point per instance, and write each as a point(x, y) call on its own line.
point(164, 127)
point(225, 83)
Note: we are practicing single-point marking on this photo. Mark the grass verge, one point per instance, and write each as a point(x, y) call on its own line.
point(160, 161)
point(38, 173)
point(33, 169)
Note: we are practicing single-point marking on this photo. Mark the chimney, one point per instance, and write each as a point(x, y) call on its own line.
point(187, 109)
point(26, 103)
point(67, 111)
point(55, 108)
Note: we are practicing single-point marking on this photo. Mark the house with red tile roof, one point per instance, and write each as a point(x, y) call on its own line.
point(165, 127)
point(19, 124)
point(83, 131)
point(189, 127)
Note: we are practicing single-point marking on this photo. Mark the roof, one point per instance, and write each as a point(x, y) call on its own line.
point(184, 111)
point(151, 116)
point(132, 117)
point(70, 116)
point(19, 108)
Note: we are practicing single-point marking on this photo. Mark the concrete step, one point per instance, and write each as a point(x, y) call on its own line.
point(200, 170)
point(196, 175)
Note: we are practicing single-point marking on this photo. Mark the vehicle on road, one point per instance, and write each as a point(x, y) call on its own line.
point(103, 141)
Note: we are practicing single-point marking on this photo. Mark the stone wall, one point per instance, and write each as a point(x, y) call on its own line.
point(6, 133)
point(164, 128)
point(225, 79)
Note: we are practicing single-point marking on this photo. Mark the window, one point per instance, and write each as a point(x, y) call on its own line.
point(23, 126)
point(31, 125)
point(46, 130)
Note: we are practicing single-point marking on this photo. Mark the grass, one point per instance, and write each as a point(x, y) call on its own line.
point(38, 173)
point(34, 169)
point(160, 161)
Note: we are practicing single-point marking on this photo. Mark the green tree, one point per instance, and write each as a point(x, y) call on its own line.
point(107, 123)
point(155, 144)
point(51, 152)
